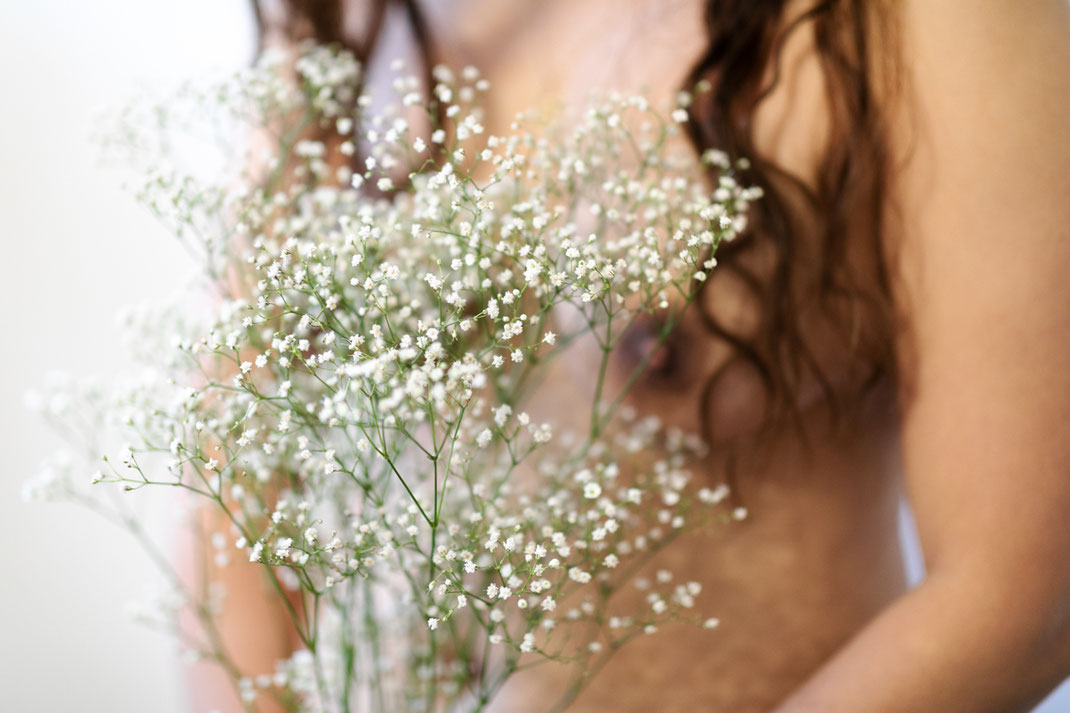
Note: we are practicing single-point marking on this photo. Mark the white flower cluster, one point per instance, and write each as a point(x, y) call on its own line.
point(356, 405)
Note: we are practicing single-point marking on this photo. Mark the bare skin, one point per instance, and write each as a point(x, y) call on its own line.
point(819, 555)
point(810, 589)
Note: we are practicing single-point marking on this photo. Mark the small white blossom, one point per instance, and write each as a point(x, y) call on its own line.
point(360, 373)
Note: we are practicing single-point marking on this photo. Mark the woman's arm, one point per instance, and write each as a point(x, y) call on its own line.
point(984, 261)
point(252, 628)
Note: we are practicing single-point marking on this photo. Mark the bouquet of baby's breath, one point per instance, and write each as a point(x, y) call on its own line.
point(364, 400)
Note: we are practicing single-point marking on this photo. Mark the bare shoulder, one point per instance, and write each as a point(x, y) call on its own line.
point(983, 148)
point(986, 100)
point(983, 257)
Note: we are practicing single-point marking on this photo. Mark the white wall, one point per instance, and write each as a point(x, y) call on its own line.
point(75, 248)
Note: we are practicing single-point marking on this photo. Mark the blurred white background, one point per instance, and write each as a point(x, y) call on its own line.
point(76, 248)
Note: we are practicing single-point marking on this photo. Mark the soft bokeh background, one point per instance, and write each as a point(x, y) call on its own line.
point(75, 249)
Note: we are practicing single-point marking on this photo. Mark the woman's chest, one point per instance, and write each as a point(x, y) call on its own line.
point(553, 54)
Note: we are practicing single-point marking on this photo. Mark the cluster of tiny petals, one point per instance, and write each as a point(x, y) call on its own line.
point(357, 401)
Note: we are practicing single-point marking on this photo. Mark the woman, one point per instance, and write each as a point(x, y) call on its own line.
point(900, 306)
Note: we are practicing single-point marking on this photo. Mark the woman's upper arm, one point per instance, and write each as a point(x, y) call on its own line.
point(984, 285)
